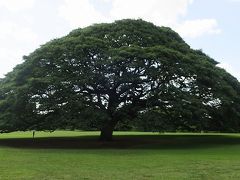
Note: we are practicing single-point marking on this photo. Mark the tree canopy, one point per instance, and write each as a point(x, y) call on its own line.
point(130, 73)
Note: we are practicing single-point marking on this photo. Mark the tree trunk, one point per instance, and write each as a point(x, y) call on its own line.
point(107, 131)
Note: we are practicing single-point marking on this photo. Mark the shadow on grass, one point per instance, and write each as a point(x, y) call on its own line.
point(124, 142)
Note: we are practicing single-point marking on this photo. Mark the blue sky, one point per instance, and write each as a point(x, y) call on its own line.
point(210, 25)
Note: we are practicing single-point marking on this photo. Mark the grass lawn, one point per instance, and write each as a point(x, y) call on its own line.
point(133, 155)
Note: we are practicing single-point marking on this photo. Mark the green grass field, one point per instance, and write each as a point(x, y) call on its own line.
point(133, 155)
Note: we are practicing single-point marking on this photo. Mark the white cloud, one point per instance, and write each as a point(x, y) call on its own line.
point(160, 12)
point(106, 1)
point(9, 58)
point(16, 37)
point(80, 13)
point(15, 41)
point(17, 5)
point(198, 27)
point(229, 68)
point(15, 32)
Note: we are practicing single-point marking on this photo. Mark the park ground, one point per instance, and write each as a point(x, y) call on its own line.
point(76, 155)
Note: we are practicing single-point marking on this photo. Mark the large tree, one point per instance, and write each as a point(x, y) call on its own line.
point(128, 72)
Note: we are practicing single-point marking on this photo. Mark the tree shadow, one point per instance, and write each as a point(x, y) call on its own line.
point(161, 141)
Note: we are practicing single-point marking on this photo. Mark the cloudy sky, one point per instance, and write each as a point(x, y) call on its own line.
point(210, 25)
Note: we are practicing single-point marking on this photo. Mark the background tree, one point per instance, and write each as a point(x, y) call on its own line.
point(129, 71)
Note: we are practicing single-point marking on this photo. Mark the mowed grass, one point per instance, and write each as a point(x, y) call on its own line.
point(132, 155)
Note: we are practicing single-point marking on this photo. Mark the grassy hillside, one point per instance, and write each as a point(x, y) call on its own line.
point(133, 155)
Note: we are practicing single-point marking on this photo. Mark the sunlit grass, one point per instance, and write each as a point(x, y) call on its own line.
point(133, 155)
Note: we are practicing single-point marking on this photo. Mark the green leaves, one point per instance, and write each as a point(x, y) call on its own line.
point(131, 72)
